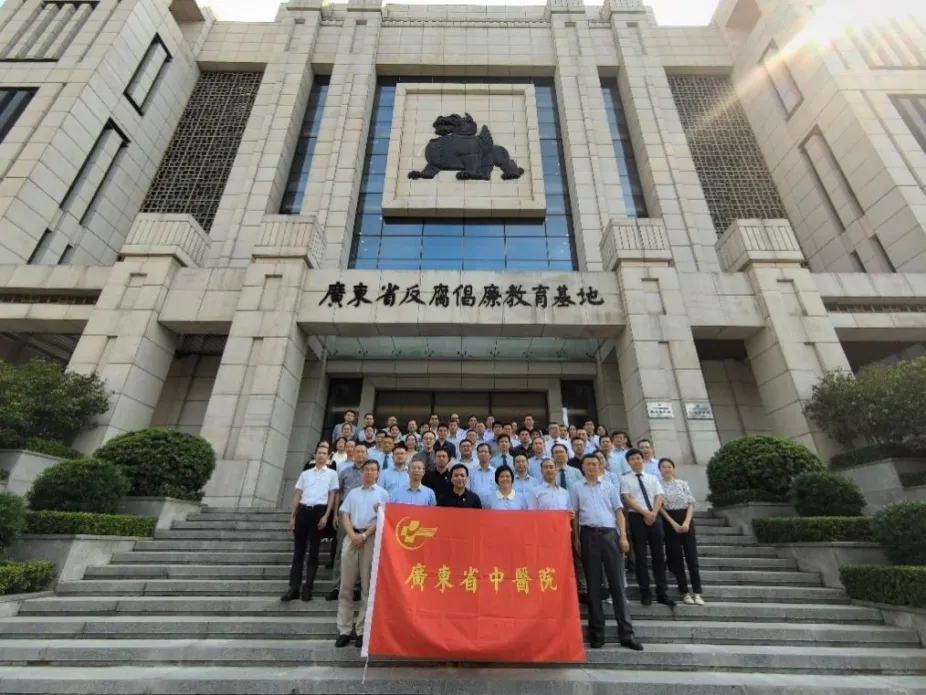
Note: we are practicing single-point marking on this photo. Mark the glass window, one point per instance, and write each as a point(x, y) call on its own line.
point(12, 104)
point(471, 244)
point(305, 148)
point(623, 150)
point(343, 395)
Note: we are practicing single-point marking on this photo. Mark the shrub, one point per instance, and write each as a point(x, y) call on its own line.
point(42, 400)
point(12, 518)
point(899, 586)
point(757, 469)
point(901, 529)
point(875, 452)
point(883, 404)
point(162, 462)
point(814, 529)
point(81, 485)
point(50, 448)
point(23, 577)
point(821, 493)
point(68, 523)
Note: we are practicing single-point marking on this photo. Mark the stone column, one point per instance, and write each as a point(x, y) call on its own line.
point(257, 179)
point(798, 344)
point(334, 179)
point(594, 183)
point(672, 188)
point(123, 340)
point(307, 423)
point(656, 354)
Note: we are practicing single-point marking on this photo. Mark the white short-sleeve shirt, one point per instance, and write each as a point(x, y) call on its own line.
point(630, 486)
point(315, 484)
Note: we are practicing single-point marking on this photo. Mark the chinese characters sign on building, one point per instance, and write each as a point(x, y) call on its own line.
point(504, 580)
point(540, 296)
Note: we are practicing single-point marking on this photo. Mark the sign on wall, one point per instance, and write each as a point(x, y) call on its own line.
point(657, 410)
point(699, 410)
point(464, 295)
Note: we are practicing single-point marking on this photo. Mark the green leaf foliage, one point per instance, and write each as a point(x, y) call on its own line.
point(757, 469)
point(69, 523)
point(817, 529)
point(161, 462)
point(821, 493)
point(24, 577)
point(80, 485)
point(12, 518)
point(901, 529)
point(874, 452)
point(896, 585)
point(42, 400)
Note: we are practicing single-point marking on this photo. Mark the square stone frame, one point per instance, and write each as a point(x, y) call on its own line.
point(444, 195)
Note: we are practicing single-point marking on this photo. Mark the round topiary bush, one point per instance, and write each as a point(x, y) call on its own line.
point(162, 462)
point(80, 485)
point(757, 469)
point(901, 529)
point(821, 493)
point(12, 518)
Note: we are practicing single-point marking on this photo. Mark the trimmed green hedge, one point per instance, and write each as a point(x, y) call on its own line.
point(901, 529)
point(23, 577)
point(67, 523)
point(50, 448)
point(80, 485)
point(875, 452)
point(812, 529)
point(821, 493)
point(898, 585)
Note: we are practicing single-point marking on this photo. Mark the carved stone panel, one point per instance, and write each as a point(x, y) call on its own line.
point(447, 138)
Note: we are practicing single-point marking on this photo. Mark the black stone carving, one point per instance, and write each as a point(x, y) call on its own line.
point(459, 149)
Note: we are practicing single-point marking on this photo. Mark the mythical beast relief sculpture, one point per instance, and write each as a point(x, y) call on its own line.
point(458, 148)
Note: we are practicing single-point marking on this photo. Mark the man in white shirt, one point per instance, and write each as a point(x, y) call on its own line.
point(481, 478)
point(650, 462)
point(556, 437)
point(466, 454)
point(642, 496)
point(455, 435)
point(312, 506)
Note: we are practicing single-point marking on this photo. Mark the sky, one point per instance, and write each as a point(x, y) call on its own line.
point(668, 12)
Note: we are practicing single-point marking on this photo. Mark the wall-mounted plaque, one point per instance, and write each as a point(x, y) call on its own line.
point(699, 410)
point(659, 411)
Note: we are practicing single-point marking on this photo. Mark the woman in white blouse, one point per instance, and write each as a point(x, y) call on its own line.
point(340, 455)
point(678, 513)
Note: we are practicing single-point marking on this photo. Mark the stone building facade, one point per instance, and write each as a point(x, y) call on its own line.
point(219, 219)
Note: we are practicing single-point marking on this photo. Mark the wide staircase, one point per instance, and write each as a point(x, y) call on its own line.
point(196, 610)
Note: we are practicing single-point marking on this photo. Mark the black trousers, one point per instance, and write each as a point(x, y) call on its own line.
point(306, 533)
point(600, 551)
point(644, 537)
point(682, 549)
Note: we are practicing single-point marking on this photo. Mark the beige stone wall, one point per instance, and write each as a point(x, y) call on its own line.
point(186, 393)
point(735, 400)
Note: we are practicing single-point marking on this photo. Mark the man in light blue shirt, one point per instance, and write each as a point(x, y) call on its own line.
point(556, 437)
point(414, 493)
point(350, 418)
point(396, 475)
point(522, 479)
point(358, 516)
point(650, 462)
point(504, 456)
point(467, 457)
point(455, 435)
point(617, 461)
point(482, 476)
point(566, 475)
point(535, 461)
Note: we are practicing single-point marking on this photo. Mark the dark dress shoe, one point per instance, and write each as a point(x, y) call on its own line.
point(332, 595)
point(596, 643)
point(342, 641)
point(666, 601)
point(307, 593)
point(360, 642)
point(291, 595)
point(646, 600)
point(631, 643)
point(356, 594)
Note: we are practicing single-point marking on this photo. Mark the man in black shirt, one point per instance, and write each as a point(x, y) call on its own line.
point(578, 450)
point(438, 478)
point(444, 444)
point(459, 496)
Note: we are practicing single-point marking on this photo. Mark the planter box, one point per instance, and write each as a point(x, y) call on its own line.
point(741, 516)
point(166, 509)
point(72, 554)
point(829, 558)
point(901, 616)
point(915, 494)
point(24, 467)
point(880, 481)
point(10, 603)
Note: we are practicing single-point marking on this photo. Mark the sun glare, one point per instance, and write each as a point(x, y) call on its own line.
point(836, 17)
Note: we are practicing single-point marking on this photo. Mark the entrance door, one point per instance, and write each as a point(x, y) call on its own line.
point(505, 406)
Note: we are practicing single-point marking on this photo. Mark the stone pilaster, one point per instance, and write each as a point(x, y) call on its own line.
point(594, 183)
point(258, 178)
point(656, 356)
point(334, 179)
point(250, 414)
point(798, 344)
point(123, 340)
point(673, 190)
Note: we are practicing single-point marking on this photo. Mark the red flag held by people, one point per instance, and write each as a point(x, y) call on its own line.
point(465, 585)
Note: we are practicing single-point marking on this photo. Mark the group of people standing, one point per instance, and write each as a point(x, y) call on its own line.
point(623, 502)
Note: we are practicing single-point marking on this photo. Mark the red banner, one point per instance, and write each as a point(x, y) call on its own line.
point(470, 585)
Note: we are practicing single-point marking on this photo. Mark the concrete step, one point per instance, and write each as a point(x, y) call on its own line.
point(721, 546)
point(667, 657)
point(268, 512)
point(322, 626)
point(259, 587)
point(461, 680)
point(180, 557)
point(271, 606)
point(281, 573)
